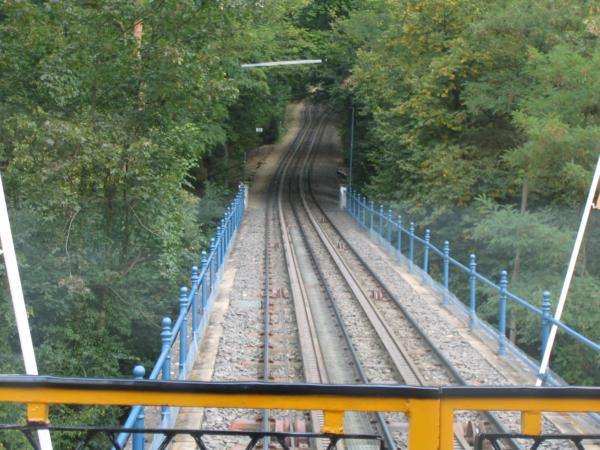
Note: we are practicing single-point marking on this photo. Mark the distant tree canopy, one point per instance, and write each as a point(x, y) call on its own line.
point(481, 119)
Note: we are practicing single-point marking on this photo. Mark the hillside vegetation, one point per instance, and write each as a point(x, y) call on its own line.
point(481, 120)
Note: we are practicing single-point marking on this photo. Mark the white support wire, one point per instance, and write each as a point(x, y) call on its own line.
point(282, 63)
point(589, 205)
point(18, 301)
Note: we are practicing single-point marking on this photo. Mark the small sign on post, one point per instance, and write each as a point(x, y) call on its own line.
point(259, 130)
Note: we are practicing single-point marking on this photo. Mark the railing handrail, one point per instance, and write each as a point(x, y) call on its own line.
point(357, 205)
point(431, 409)
point(33, 389)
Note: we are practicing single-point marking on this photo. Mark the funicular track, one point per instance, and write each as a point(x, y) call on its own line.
point(319, 367)
point(305, 233)
point(301, 219)
point(359, 277)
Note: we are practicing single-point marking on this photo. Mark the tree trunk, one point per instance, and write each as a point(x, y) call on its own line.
point(512, 321)
point(517, 260)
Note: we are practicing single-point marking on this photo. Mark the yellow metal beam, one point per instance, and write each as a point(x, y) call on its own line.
point(524, 404)
point(212, 400)
point(37, 413)
point(531, 423)
point(424, 432)
point(333, 422)
point(446, 426)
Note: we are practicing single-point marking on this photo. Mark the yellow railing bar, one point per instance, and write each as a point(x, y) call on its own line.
point(431, 410)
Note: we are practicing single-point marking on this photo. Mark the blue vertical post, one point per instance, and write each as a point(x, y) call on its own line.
point(389, 226)
point(195, 283)
point(223, 243)
point(472, 289)
point(138, 438)
point(349, 205)
point(545, 322)
point(426, 250)
point(226, 223)
point(360, 216)
point(502, 314)
point(230, 221)
point(411, 242)
point(165, 337)
point(204, 268)
point(211, 256)
point(446, 265)
point(236, 210)
point(183, 303)
point(399, 240)
point(218, 243)
point(372, 211)
point(380, 224)
point(364, 211)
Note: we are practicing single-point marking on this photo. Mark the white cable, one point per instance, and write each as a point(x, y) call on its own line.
point(570, 270)
point(283, 63)
point(16, 293)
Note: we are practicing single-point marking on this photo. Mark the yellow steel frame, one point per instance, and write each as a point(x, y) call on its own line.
point(431, 419)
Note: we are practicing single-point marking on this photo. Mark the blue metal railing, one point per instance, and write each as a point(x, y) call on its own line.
point(195, 305)
point(382, 227)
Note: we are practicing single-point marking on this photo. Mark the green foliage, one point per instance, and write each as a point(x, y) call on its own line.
point(480, 119)
point(117, 156)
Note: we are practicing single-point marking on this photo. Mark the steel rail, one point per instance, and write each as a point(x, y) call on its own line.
point(270, 204)
point(312, 358)
point(437, 352)
point(362, 376)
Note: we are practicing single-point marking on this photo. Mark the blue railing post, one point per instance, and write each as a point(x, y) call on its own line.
point(545, 322)
point(472, 289)
point(411, 243)
point(380, 224)
point(229, 224)
point(364, 211)
point(236, 210)
point(389, 226)
point(211, 255)
point(195, 284)
point(399, 240)
point(446, 264)
point(204, 266)
point(223, 242)
point(426, 251)
point(183, 297)
point(138, 438)
point(240, 206)
point(218, 242)
point(355, 204)
point(502, 316)
point(349, 206)
point(165, 337)
point(372, 211)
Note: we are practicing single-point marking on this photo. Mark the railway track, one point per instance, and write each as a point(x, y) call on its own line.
point(299, 193)
point(320, 267)
point(316, 309)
